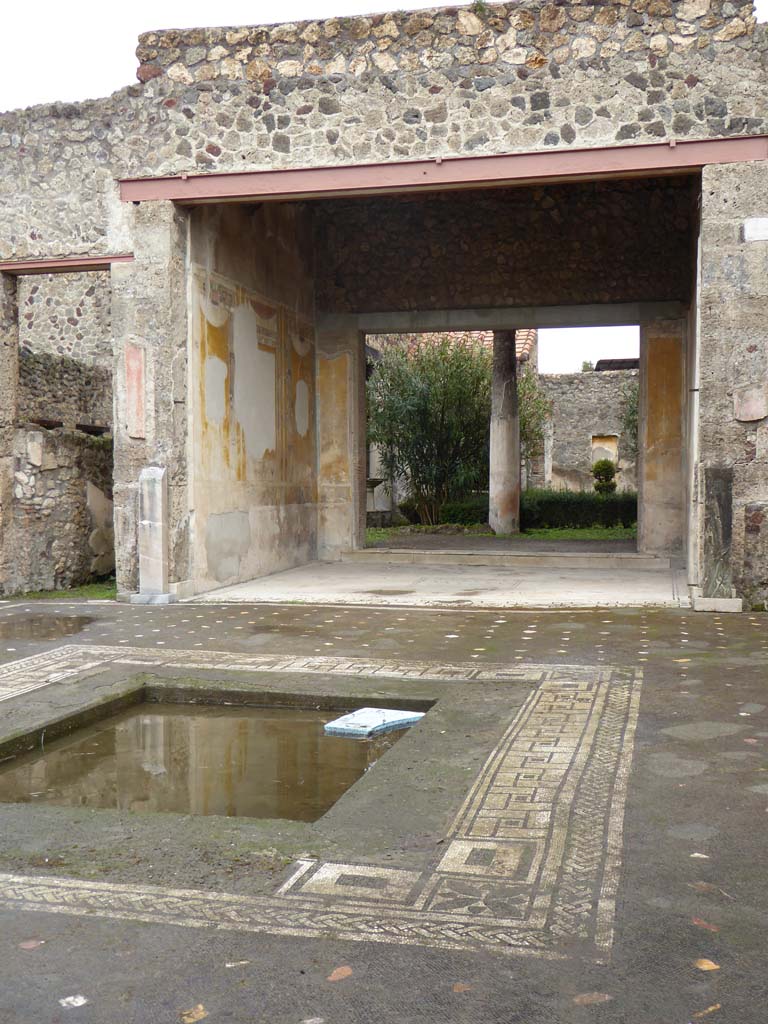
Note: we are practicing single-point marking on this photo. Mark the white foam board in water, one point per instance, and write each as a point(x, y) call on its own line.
point(371, 722)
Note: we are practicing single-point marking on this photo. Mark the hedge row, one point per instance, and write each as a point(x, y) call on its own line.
point(541, 509)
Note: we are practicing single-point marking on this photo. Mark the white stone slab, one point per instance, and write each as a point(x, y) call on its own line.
point(756, 229)
point(371, 722)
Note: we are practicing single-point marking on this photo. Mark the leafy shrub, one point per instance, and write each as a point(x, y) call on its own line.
point(541, 508)
point(604, 473)
point(470, 510)
point(409, 511)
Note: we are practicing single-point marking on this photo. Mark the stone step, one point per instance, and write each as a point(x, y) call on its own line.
point(510, 559)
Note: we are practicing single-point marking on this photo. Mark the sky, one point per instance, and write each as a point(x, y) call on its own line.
point(565, 349)
point(83, 49)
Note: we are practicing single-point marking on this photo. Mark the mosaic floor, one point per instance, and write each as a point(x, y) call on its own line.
point(530, 863)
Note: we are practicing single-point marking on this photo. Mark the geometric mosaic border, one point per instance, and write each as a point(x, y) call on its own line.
point(530, 864)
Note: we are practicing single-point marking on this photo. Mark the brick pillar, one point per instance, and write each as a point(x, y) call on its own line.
point(661, 484)
point(9, 387)
point(504, 487)
point(341, 440)
point(149, 320)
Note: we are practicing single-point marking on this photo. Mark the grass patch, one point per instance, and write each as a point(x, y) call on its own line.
point(103, 590)
point(584, 533)
point(375, 536)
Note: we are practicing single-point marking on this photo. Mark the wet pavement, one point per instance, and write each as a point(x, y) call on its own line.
point(639, 847)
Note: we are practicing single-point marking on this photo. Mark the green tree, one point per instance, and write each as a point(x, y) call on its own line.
point(429, 410)
point(535, 409)
point(587, 365)
point(630, 395)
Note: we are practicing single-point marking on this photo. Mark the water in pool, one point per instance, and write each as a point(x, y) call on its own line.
point(193, 759)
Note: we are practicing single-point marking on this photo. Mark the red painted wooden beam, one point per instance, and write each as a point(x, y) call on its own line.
point(447, 172)
point(61, 264)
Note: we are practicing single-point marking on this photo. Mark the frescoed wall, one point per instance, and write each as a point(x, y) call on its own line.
point(252, 389)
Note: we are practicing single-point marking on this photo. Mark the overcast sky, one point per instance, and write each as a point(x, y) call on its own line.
point(83, 49)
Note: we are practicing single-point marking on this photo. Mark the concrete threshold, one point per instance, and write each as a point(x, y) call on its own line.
point(387, 585)
point(509, 559)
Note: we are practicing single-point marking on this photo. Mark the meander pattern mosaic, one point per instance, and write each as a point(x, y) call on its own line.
point(531, 860)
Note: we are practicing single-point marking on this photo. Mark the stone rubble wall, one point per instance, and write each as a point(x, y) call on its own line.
point(63, 390)
point(508, 79)
point(491, 39)
point(67, 315)
point(731, 485)
point(65, 349)
point(583, 405)
point(60, 531)
point(615, 241)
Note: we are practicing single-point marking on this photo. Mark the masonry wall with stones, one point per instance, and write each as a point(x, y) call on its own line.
point(65, 349)
point(400, 86)
point(502, 79)
point(60, 529)
point(609, 241)
point(731, 482)
point(583, 406)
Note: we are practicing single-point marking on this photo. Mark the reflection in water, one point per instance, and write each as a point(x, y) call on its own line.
point(41, 627)
point(252, 762)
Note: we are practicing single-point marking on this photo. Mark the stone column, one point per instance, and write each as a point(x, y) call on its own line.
point(153, 537)
point(9, 386)
point(661, 483)
point(149, 320)
point(504, 488)
point(341, 434)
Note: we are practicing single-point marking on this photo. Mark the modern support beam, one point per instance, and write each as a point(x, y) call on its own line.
point(672, 157)
point(61, 264)
point(504, 488)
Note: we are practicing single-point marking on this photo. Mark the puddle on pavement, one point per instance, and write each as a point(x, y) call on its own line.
point(244, 762)
point(42, 626)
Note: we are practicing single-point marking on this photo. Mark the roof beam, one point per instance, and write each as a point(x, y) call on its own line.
point(61, 264)
point(656, 158)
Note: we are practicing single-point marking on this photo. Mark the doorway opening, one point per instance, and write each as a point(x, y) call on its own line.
point(428, 458)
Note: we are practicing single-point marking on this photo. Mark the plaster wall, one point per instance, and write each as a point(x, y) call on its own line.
point(341, 438)
point(661, 418)
point(252, 393)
